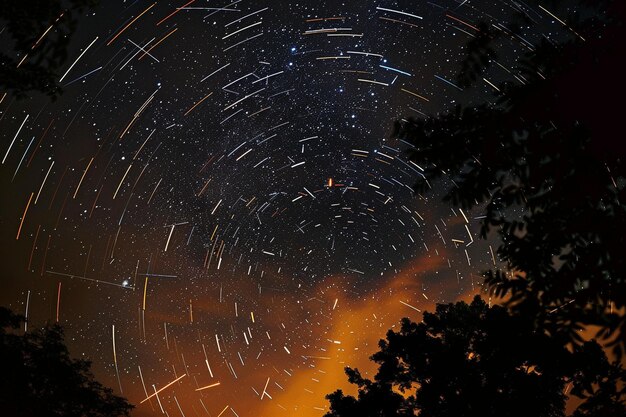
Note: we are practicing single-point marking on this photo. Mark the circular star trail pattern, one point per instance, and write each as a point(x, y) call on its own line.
point(214, 208)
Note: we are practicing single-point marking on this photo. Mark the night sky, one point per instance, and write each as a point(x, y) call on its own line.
point(215, 199)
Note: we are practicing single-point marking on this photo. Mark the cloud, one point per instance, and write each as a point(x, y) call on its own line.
point(352, 333)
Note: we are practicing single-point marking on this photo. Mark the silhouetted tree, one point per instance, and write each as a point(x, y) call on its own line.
point(546, 164)
point(39, 378)
point(480, 361)
point(36, 34)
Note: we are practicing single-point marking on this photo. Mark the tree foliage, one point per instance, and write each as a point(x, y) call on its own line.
point(546, 164)
point(41, 379)
point(480, 361)
point(40, 32)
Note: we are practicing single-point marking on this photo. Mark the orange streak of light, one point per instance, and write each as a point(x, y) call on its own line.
point(178, 9)
point(128, 25)
point(398, 21)
point(39, 143)
point(225, 408)
point(465, 23)
point(415, 94)
point(58, 301)
point(32, 251)
point(82, 178)
point(24, 216)
point(322, 19)
point(94, 203)
point(156, 44)
point(208, 386)
point(198, 103)
point(168, 385)
point(145, 289)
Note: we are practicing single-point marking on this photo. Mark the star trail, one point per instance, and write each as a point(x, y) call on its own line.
point(214, 208)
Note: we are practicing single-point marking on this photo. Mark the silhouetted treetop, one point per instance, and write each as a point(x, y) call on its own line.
point(41, 379)
point(545, 163)
point(475, 360)
point(39, 32)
